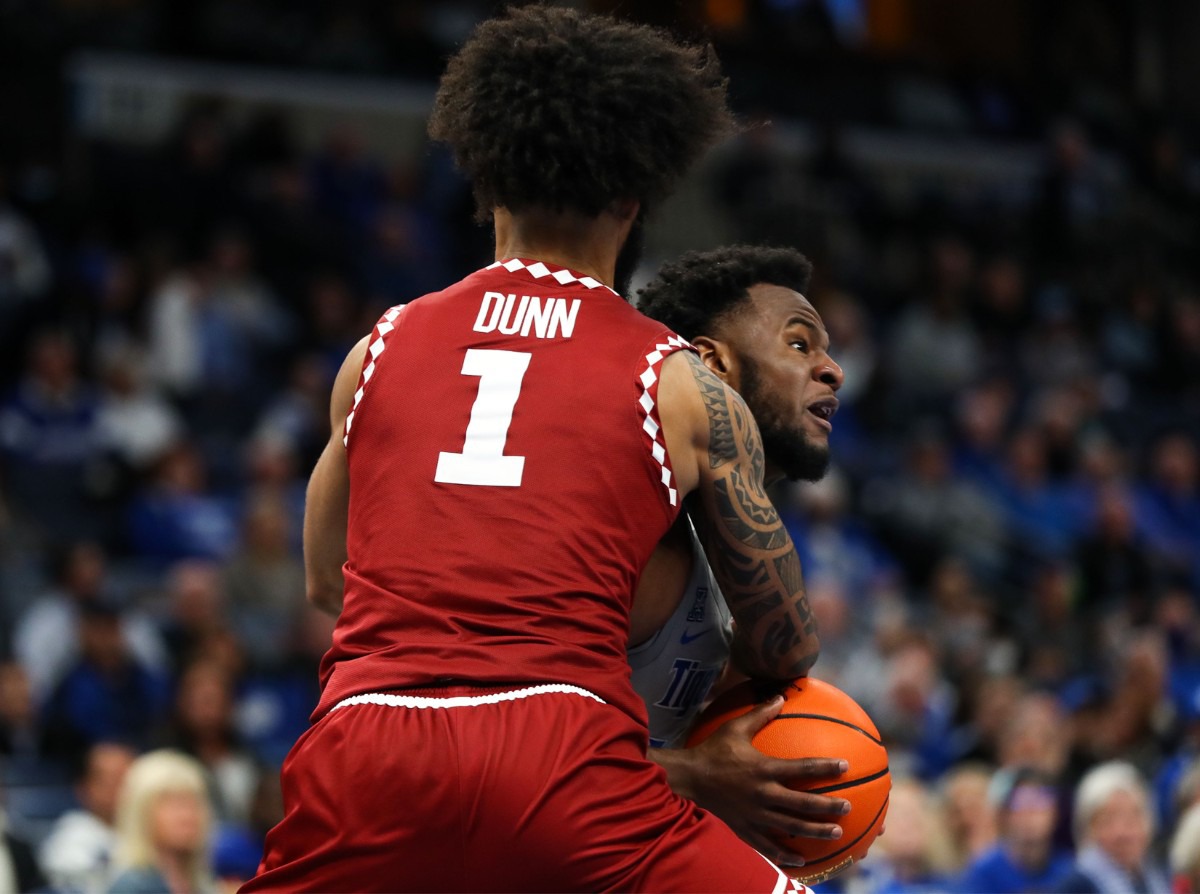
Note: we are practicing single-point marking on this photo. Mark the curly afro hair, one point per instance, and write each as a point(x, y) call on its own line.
point(555, 109)
point(693, 294)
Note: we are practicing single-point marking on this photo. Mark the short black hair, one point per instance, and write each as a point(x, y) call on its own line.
point(552, 108)
point(692, 294)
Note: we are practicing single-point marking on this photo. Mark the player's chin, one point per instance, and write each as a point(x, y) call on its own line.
point(809, 463)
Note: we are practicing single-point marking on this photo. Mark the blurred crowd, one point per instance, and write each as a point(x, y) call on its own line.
point(1005, 558)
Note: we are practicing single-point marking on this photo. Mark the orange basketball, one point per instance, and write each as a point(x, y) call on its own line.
point(819, 720)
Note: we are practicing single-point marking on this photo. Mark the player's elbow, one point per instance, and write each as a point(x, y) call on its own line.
point(803, 659)
point(778, 664)
point(325, 595)
point(799, 660)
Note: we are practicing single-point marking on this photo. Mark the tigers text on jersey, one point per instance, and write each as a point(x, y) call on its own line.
point(674, 669)
point(508, 482)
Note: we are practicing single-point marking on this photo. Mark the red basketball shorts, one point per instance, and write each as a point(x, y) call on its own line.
point(468, 789)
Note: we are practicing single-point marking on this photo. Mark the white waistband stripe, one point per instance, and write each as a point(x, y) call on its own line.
point(460, 701)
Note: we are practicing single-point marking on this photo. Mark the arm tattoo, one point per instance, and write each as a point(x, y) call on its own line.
point(721, 445)
point(745, 542)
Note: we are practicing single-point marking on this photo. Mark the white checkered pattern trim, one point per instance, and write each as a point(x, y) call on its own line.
point(648, 403)
point(785, 884)
point(391, 700)
point(538, 270)
point(375, 347)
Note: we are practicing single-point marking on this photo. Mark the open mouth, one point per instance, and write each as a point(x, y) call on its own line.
point(824, 410)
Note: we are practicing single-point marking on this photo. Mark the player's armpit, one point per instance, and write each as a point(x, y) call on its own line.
point(326, 505)
point(747, 545)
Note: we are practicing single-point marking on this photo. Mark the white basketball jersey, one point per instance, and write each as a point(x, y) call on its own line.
point(674, 670)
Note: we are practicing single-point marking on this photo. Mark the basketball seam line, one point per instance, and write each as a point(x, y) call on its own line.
point(831, 720)
point(862, 834)
point(837, 787)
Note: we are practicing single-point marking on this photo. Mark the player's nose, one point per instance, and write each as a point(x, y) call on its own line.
point(827, 372)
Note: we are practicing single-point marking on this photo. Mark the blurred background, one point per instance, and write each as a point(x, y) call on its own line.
point(205, 203)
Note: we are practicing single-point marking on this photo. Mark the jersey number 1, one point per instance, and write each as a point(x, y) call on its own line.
point(482, 461)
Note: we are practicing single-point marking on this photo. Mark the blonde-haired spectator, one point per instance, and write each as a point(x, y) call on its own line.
point(970, 819)
point(1114, 826)
point(914, 853)
point(164, 822)
point(1184, 855)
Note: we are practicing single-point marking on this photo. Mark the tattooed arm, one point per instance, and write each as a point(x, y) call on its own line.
point(717, 455)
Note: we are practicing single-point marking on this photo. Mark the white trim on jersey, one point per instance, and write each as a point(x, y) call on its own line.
point(374, 347)
point(461, 701)
point(650, 425)
point(538, 270)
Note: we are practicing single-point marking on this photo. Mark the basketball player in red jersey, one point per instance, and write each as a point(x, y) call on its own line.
point(744, 310)
point(507, 453)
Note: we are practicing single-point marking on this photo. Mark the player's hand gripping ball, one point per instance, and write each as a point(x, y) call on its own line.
point(819, 720)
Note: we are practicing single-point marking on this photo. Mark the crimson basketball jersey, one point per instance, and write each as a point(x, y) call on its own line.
point(508, 481)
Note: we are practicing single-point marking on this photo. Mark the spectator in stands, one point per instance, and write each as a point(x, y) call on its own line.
point(970, 820)
point(1024, 857)
point(164, 823)
point(334, 311)
point(297, 415)
point(915, 854)
point(934, 351)
point(1037, 510)
point(46, 639)
point(1036, 734)
point(1073, 196)
point(831, 542)
point(914, 710)
point(176, 515)
point(1115, 569)
point(49, 441)
point(196, 610)
point(203, 726)
point(77, 854)
point(108, 694)
point(20, 731)
point(271, 472)
point(274, 702)
point(983, 415)
point(1054, 636)
point(238, 849)
point(136, 423)
point(265, 579)
point(1168, 505)
point(1114, 825)
point(925, 512)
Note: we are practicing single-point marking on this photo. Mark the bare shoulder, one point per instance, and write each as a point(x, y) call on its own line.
point(346, 383)
point(681, 411)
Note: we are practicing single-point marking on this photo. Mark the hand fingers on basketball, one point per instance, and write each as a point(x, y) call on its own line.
point(785, 824)
point(805, 805)
point(799, 769)
point(758, 717)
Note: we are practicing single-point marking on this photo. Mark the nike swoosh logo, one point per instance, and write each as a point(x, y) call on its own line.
point(685, 639)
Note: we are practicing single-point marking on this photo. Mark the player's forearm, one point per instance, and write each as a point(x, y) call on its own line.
point(325, 519)
point(759, 573)
point(680, 766)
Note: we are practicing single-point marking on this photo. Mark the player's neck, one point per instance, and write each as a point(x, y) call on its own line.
point(587, 245)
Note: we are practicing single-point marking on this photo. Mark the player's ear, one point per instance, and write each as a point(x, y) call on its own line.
point(626, 210)
point(718, 357)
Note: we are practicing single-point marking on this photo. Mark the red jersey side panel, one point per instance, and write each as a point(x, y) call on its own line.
point(507, 485)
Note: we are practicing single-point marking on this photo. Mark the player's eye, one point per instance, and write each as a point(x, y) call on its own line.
point(800, 345)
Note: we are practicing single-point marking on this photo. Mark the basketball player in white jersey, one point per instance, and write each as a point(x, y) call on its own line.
point(743, 309)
